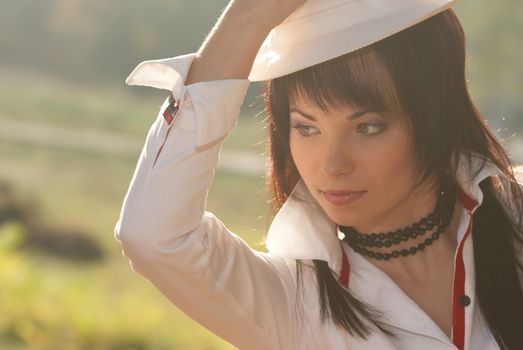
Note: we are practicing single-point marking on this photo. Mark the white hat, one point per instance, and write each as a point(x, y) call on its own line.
point(321, 30)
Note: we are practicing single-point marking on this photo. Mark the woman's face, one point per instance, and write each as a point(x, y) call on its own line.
point(349, 149)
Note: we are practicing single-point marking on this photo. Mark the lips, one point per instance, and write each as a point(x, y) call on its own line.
point(341, 193)
point(336, 197)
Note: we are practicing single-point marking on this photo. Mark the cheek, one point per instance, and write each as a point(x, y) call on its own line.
point(391, 163)
point(301, 155)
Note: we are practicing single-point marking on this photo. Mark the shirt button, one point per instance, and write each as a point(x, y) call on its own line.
point(464, 300)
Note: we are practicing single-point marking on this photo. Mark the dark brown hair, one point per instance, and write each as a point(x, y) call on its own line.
point(419, 73)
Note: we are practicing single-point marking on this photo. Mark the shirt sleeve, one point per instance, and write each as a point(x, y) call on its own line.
point(242, 295)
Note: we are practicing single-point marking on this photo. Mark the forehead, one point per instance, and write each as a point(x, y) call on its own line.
point(325, 104)
point(312, 111)
point(354, 81)
point(310, 108)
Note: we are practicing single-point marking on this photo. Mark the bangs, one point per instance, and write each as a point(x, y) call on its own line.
point(359, 80)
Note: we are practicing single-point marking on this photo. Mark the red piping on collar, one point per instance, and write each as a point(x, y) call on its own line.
point(468, 202)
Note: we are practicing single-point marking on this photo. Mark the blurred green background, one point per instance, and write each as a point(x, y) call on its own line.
point(71, 132)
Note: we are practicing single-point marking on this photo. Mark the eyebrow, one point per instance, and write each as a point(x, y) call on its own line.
point(351, 116)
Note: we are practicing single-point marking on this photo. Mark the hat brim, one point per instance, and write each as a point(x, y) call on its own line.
point(279, 58)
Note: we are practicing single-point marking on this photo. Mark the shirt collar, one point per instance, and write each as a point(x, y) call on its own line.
point(302, 230)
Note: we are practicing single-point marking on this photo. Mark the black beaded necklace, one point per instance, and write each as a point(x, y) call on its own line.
point(440, 218)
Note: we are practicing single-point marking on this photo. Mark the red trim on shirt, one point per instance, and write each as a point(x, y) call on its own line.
point(468, 202)
point(168, 117)
point(458, 310)
point(345, 268)
point(171, 109)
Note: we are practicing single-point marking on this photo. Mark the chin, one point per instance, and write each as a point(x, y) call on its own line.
point(340, 214)
point(343, 219)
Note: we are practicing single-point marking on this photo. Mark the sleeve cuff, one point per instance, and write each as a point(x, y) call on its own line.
point(166, 73)
point(216, 104)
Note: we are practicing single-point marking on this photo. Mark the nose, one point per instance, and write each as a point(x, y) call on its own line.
point(336, 160)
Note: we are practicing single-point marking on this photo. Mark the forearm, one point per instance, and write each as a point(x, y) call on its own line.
point(229, 50)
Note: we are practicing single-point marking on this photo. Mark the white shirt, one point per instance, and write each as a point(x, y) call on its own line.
point(245, 296)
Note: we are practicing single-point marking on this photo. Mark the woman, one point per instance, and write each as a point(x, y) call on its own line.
point(380, 146)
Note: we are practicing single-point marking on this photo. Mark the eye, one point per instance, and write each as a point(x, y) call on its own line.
point(304, 130)
point(371, 128)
